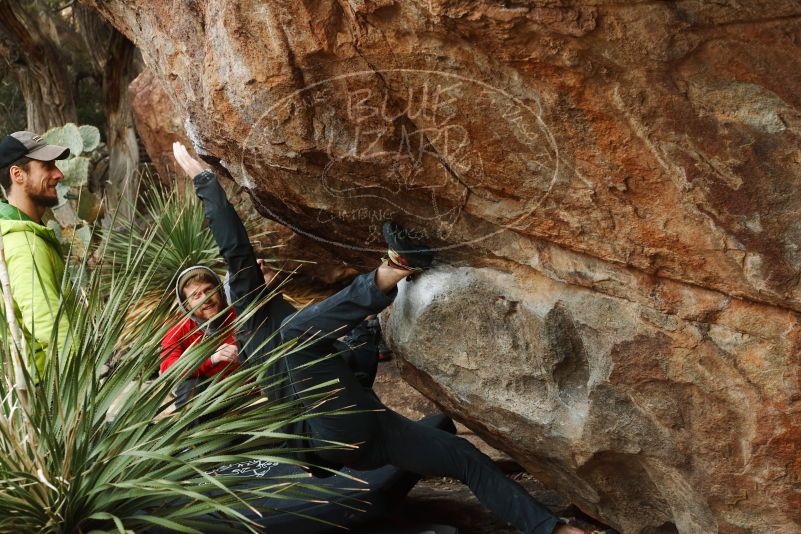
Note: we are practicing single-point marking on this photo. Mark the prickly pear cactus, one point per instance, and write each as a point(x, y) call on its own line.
point(76, 209)
point(68, 136)
point(90, 136)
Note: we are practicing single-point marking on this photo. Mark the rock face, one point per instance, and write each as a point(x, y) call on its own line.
point(613, 186)
point(654, 405)
point(157, 123)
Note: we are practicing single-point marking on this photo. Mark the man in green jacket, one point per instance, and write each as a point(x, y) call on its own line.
point(29, 176)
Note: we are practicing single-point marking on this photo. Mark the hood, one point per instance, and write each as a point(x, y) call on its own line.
point(13, 220)
point(206, 326)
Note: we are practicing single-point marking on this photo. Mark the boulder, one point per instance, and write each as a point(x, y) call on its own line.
point(613, 189)
point(656, 407)
point(157, 123)
point(397, 394)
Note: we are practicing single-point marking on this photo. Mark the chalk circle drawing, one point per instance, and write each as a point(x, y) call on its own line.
point(410, 127)
point(247, 468)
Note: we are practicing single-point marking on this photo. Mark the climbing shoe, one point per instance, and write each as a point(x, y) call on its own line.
point(404, 250)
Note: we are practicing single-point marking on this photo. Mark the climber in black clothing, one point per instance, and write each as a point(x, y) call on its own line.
point(378, 435)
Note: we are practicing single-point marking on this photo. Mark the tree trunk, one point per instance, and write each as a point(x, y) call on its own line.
point(39, 68)
point(123, 148)
point(113, 58)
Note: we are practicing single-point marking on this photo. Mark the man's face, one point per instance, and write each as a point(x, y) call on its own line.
point(39, 182)
point(204, 298)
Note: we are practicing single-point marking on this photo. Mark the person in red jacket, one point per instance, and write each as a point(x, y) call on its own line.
point(201, 301)
point(200, 298)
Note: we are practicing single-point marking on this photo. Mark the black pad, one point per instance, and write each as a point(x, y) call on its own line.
point(354, 503)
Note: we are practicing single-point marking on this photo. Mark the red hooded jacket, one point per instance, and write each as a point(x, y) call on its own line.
point(186, 333)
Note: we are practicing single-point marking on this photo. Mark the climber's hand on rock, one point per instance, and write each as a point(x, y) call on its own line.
point(190, 165)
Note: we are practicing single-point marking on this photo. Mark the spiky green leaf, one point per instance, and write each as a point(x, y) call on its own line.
point(70, 466)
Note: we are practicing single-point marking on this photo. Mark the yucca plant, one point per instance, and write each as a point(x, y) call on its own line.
point(80, 452)
point(169, 233)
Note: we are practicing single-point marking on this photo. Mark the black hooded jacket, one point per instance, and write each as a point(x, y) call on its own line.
point(260, 334)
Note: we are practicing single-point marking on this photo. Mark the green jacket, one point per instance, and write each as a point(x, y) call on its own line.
point(36, 270)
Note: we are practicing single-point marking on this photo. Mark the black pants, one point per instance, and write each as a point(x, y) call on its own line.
point(362, 360)
point(361, 350)
point(382, 435)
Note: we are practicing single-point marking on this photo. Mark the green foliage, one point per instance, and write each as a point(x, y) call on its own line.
point(88, 205)
point(170, 232)
point(64, 195)
point(89, 96)
point(84, 144)
point(95, 453)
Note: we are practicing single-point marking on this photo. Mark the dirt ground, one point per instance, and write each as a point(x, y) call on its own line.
point(446, 501)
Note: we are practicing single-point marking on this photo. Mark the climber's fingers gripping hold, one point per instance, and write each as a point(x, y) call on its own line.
point(190, 165)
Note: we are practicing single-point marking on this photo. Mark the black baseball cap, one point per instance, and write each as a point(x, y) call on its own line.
point(29, 145)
